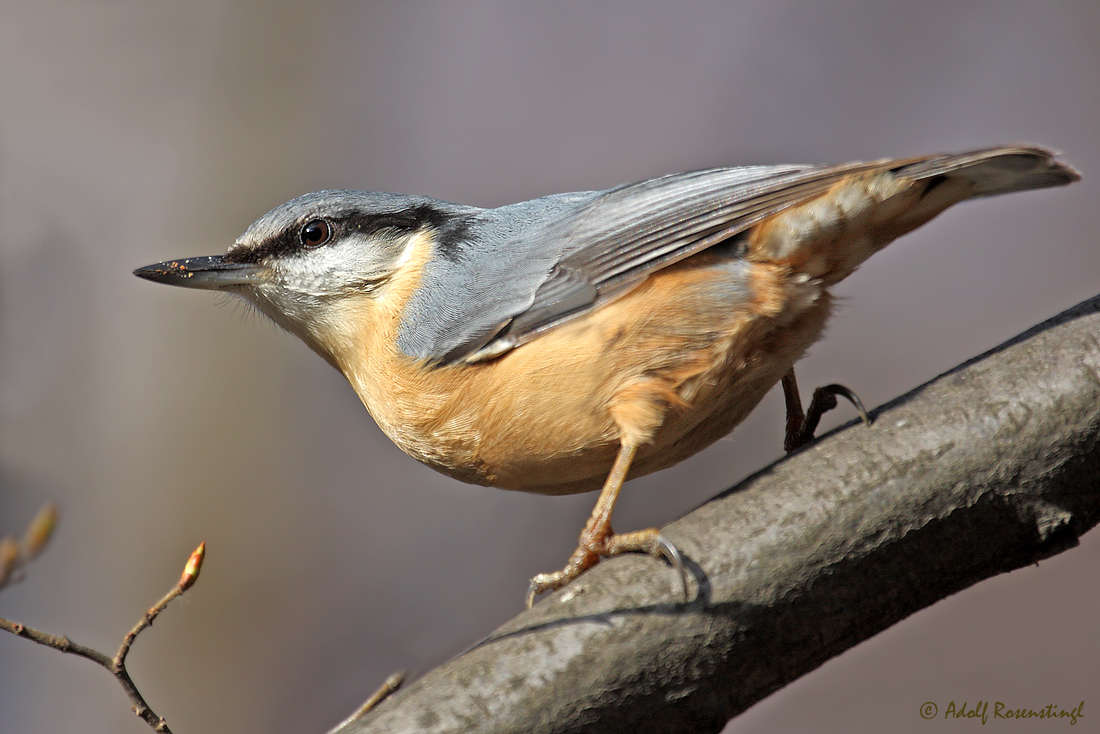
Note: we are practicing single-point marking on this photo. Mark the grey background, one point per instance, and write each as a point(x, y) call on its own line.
point(131, 132)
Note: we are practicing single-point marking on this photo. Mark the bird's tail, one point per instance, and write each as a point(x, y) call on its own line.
point(993, 171)
point(829, 234)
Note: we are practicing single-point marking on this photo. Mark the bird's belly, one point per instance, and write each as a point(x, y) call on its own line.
point(718, 332)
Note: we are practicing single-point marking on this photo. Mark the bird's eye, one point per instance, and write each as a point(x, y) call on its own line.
point(316, 233)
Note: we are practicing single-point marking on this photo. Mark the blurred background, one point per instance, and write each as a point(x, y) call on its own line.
point(132, 132)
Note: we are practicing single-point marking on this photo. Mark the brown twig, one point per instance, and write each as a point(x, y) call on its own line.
point(116, 666)
point(388, 687)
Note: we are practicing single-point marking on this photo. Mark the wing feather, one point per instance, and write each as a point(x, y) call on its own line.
point(631, 231)
point(536, 264)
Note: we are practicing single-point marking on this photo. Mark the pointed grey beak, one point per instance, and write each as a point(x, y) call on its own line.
point(211, 272)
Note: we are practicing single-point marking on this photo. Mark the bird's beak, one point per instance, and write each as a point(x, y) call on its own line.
point(211, 273)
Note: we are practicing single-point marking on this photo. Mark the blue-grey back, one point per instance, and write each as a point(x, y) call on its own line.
point(476, 284)
point(523, 268)
point(505, 275)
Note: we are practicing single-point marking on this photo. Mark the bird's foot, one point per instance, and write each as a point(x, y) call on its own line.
point(606, 545)
point(800, 433)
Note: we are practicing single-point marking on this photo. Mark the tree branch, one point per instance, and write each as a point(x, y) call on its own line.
point(987, 468)
point(116, 666)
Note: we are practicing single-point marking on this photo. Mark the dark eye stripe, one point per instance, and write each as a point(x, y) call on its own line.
point(320, 231)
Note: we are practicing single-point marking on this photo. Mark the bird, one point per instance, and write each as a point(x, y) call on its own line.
point(575, 341)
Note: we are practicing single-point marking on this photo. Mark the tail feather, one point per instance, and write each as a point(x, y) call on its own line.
point(1000, 170)
point(828, 236)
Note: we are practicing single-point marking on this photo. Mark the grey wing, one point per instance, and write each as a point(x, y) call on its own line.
point(615, 239)
point(475, 284)
point(527, 267)
point(575, 251)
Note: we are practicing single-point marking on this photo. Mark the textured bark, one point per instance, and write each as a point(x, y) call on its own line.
point(987, 468)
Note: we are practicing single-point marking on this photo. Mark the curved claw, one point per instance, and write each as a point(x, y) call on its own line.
point(801, 426)
point(847, 394)
point(672, 555)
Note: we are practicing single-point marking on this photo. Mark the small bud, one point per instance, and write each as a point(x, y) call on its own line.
point(9, 557)
point(191, 570)
point(39, 531)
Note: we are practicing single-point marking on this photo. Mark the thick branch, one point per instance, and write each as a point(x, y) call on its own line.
point(990, 467)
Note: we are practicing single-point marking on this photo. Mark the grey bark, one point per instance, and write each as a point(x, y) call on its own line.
point(987, 468)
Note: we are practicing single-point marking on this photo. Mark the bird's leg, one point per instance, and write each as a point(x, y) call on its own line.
point(801, 426)
point(796, 418)
point(598, 539)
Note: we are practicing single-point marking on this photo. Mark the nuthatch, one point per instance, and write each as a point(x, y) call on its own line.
point(578, 340)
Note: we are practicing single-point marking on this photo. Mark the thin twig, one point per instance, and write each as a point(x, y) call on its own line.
point(60, 643)
point(146, 621)
point(389, 686)
point(116, 666)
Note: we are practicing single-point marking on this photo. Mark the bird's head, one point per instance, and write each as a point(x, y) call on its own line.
point(319, 264)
